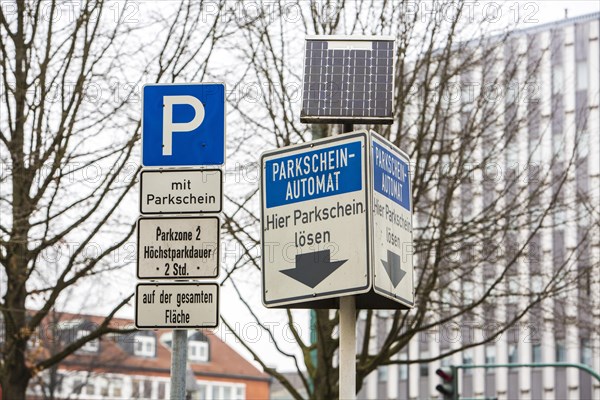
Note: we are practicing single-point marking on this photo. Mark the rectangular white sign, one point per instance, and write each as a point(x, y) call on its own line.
point(178, 247)
point(315, 221)
point(181, 191)
point(176, 305)
point(392, 222)
point(337, 221)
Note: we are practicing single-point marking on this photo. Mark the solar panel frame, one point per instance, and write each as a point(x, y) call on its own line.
point(323, 88)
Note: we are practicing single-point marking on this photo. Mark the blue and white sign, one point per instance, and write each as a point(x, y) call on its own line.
point(315, 212)
point(336, 218)
point(392, 222)
point(390, 176)
point(314, 174)
point(183, 124)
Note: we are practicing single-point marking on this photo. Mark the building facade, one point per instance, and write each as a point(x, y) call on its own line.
point(562, 328)
point(136, 365)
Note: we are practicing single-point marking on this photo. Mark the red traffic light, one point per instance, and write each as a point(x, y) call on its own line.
point(445, 374)
point(449, 386)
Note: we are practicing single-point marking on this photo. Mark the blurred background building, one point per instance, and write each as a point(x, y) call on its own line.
point(564, 57)
point(137, 365)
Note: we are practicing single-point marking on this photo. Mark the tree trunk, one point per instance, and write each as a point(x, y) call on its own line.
point(14, 382)
point(15, 372)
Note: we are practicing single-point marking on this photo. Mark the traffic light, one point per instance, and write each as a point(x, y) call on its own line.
point(449, 386)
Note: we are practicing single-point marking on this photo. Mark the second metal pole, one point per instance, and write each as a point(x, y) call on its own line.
point(347, 365)
point(347, 358)
point(178, 364)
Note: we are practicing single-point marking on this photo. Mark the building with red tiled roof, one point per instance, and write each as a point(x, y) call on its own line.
point(136, 365)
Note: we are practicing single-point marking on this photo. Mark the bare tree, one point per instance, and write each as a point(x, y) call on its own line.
point(482, 195)
point(71, 80)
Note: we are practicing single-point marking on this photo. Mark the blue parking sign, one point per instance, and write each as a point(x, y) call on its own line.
point(183, 124)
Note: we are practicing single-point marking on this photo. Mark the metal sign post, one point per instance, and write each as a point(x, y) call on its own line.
point(178, 364)
point(347, 367)
point(347, 379)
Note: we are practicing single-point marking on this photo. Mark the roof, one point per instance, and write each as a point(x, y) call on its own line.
point(560, 23)
point(501, 35)
point(116, 352)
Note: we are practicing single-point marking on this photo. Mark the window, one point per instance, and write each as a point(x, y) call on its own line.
point(512, 92)
point(222, 391)
point(558, 80)
point(586, 352)
point(90, 347)
point(512, 158)
point(536, 353)
point(490, 354)
point(198, 350)
point(560, 216)
point(537, 284)
point(403, 368)
point(558, 148)
point(513, 354)
point(103, 386)
point(144, 346)
point(424, 367)
point(60, 378)
point(382, 373)
point(513, 289)
point(147, 389)
point(135, 388)
point(217, 392)
point(583, 144)
point(468, 289)
point(77, 386)
point(240, 392)
point(201, 392)
point(117, 388)
point(468, 360)
point(162, 390)
point(560, 353)
point(582, 75)
point(89, 389)
point(446, 299)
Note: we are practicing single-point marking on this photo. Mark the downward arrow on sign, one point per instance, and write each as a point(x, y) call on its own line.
point(392, 267)
point(312, 268)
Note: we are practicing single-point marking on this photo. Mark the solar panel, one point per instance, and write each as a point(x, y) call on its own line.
point(348, 79)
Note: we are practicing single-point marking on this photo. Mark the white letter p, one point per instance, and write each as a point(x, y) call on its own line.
point(169, 126)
